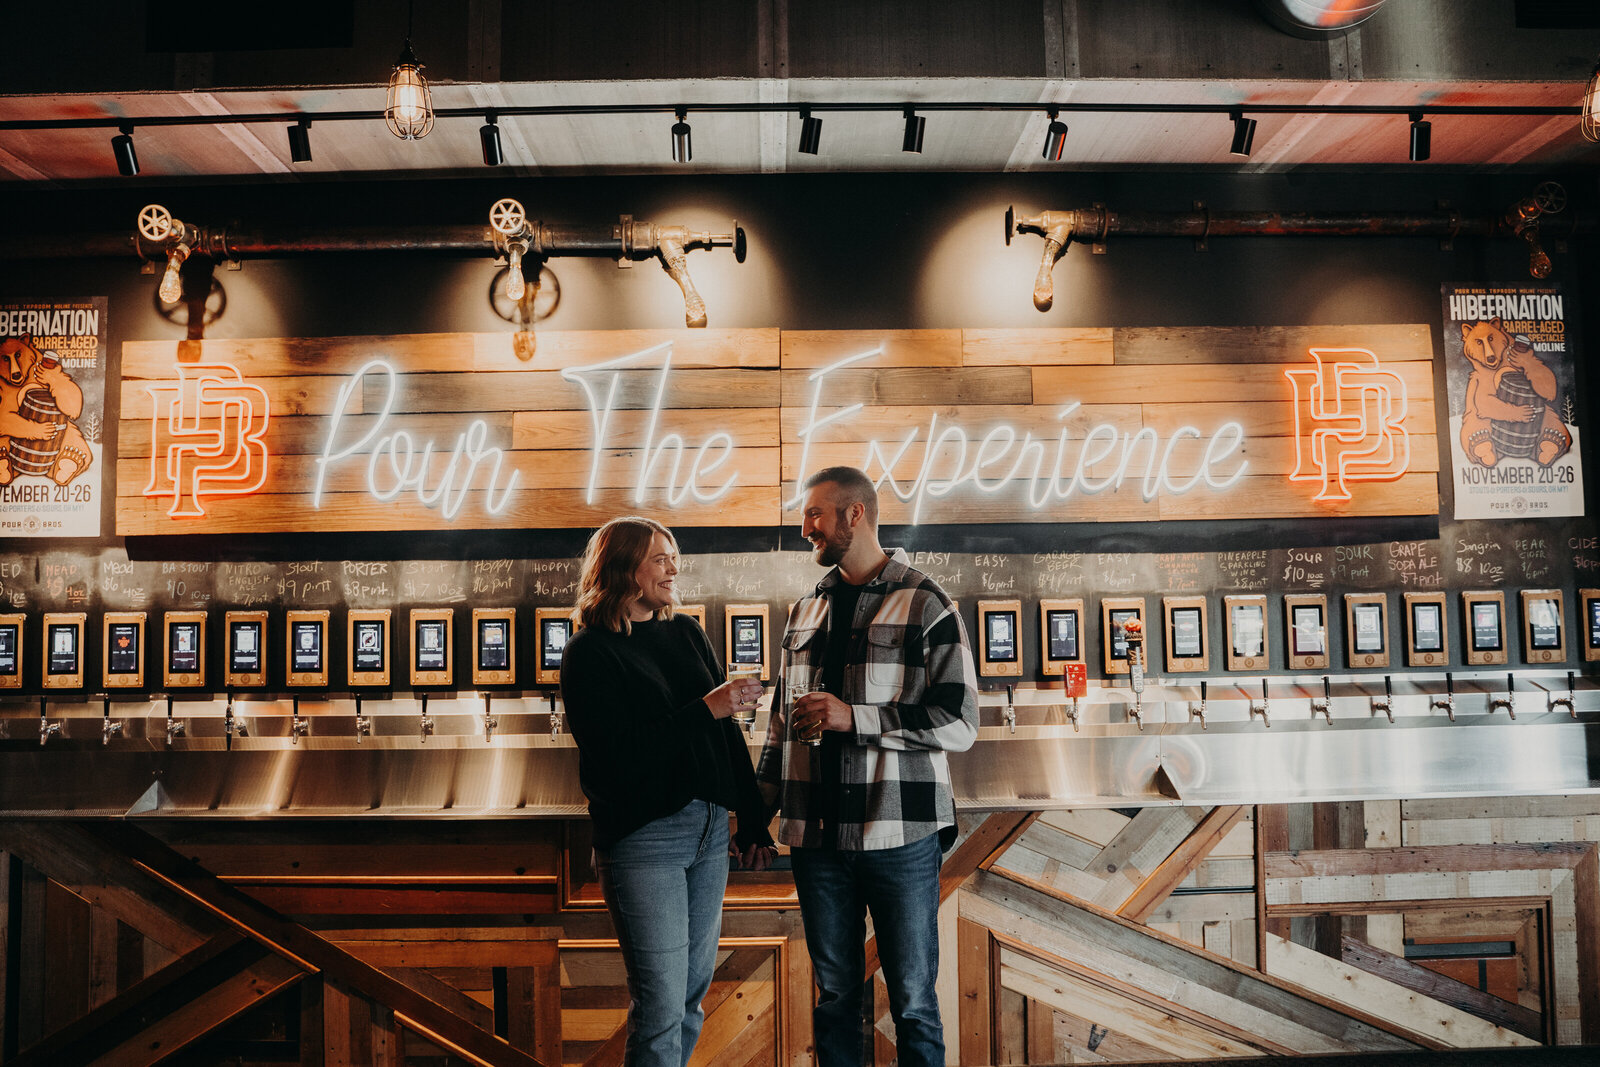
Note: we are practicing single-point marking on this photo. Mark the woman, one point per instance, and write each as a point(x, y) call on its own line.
point(661, 764)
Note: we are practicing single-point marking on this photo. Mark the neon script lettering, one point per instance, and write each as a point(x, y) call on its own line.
point(986, 470)
point(395, 465)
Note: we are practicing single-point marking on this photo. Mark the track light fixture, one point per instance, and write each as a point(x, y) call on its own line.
point(1244, 134)
point(915, 125)
point(682, 146)
point(1589, 121)
point(300, 142)
point(810, 132)
point(1421, 137)
point(122, 149)
point(489, 136)
point(1055, 137)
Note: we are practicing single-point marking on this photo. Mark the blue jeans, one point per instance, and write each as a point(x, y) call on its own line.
point(900, 886)
point(663, 885)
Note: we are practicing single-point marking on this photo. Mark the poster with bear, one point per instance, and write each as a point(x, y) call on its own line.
point(1514, 447)
point(52, 418)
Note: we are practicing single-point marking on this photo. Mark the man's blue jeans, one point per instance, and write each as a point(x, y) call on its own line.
point(663, 885)
point(900, 887)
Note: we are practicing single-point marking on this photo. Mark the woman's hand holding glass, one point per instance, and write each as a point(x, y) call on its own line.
point(733, 696)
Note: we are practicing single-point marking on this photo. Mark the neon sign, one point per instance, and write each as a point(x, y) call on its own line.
point(714, 451)
point(406, 467)
point(1063, 477)
point(212, 424)
point(1354, 412)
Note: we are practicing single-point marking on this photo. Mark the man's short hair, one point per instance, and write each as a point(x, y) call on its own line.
point(854, 487)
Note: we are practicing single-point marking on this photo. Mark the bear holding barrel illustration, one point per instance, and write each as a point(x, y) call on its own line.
point(1510, 398)
point(38, 405)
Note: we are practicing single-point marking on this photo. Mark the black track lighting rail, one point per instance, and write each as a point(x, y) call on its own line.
point(740, 107)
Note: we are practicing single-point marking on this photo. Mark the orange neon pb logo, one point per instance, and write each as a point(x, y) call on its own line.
point(206, 437)
point(1349, 422)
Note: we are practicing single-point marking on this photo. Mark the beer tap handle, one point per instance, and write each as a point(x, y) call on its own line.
point(425, 725)
point(363, 723)
point(1201, 711)
point(1011, 708)
point(1262, 709)
point(1324, 706)
point(490, 723)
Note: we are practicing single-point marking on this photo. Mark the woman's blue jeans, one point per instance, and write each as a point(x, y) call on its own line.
point(663, 885)
point(900, 887)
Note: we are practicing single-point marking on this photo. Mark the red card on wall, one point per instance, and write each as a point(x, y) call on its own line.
point(1076, 677)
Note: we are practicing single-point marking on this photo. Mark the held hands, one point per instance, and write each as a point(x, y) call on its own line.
point(729, 697)
point(815, 712)
point(753, 858)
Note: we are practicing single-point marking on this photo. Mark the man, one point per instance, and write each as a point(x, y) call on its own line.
point(868, 811)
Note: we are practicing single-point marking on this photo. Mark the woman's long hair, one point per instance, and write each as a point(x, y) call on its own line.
point(605, 582)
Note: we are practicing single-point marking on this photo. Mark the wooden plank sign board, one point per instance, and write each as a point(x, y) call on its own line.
point(718, 427)
point(1544, 626)
point(122, 651)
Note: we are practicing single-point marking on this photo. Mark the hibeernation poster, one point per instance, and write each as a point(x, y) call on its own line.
point(52, 418)
point(1513, 402)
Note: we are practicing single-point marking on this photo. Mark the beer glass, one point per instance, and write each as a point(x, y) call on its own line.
point(800, 682)
point(742, 715)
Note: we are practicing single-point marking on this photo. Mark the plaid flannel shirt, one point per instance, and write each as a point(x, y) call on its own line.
point(912, 689)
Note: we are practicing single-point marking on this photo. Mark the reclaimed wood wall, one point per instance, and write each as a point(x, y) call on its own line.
point(716, 427)
point(1066, 936)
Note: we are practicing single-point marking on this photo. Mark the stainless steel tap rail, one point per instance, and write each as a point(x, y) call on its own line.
point(444, 754)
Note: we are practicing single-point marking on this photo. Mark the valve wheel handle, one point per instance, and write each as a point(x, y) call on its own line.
point(1551, 197)
point(507, 216)
point(155, 222)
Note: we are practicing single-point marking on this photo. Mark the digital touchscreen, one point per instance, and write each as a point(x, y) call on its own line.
point(1000, 636)
point(1063, 627)
point(183, 640)
point(1308, 630)
point(747, 642)
point(368, 652)
point(9, 664)
point(553, 642)
point(244, 648)
point(430, 649)
point(1368, 627)
point(1188, 638)
point(1120, 617)
point(1594, 623)
point(122, 654)
point(1248, 629)
point(63, 643)
point(307, 642)
point(494, 644)
point(1486, 636)
point(1544, 624)
point(1427, 627)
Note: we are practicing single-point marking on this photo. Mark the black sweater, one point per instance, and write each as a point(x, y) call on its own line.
point(647, 743)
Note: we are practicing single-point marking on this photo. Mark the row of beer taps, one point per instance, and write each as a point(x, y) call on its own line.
point(235, 724)
point(1322, 705)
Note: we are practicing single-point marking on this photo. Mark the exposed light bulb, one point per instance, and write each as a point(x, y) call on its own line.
point(516, 287)
point(171, 289)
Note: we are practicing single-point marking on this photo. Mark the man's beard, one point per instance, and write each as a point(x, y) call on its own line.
point(833, 549)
